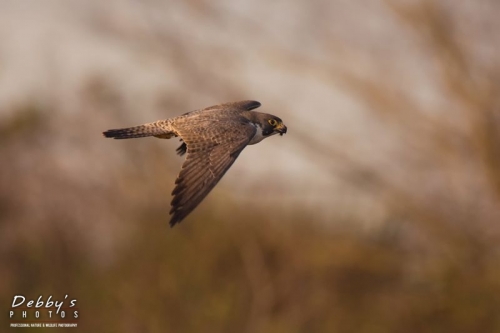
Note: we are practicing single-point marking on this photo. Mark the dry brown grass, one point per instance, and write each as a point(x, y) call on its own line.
point(79, 217)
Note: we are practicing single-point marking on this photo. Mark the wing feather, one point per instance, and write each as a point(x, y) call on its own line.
point(215, 151)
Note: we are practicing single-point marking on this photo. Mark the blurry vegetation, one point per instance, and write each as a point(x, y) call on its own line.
point(86, 217)
point(25, 119)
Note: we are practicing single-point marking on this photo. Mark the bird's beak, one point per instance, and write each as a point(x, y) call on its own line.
point(281, 129)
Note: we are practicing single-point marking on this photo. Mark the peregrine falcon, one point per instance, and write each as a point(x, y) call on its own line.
point(213, 138)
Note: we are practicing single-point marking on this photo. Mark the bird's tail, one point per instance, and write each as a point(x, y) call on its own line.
point(152, 129)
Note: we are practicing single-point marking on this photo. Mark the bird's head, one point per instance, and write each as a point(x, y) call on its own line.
point(273, 125)
point(266, 125)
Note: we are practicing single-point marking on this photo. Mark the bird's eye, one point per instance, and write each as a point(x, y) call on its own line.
point(273, 122)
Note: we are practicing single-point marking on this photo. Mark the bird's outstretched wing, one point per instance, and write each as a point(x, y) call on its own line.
point(208, 158)
point(232, 107)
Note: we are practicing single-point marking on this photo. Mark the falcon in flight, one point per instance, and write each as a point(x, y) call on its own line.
point(213, 138)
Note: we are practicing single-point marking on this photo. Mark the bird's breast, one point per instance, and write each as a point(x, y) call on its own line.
point(258, 137)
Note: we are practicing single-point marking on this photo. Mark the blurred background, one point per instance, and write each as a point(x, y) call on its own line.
point(379, 211)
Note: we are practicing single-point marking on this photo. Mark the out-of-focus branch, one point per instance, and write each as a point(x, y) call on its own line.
point(474, 87)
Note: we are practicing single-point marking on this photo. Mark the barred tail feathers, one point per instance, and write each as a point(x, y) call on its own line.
point(151, 129)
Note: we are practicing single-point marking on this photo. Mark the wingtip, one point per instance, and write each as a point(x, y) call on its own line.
point(174, 220)
point(252, 104)
point(174, 217)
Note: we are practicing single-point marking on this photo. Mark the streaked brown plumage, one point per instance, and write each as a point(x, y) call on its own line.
point(213, 138)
